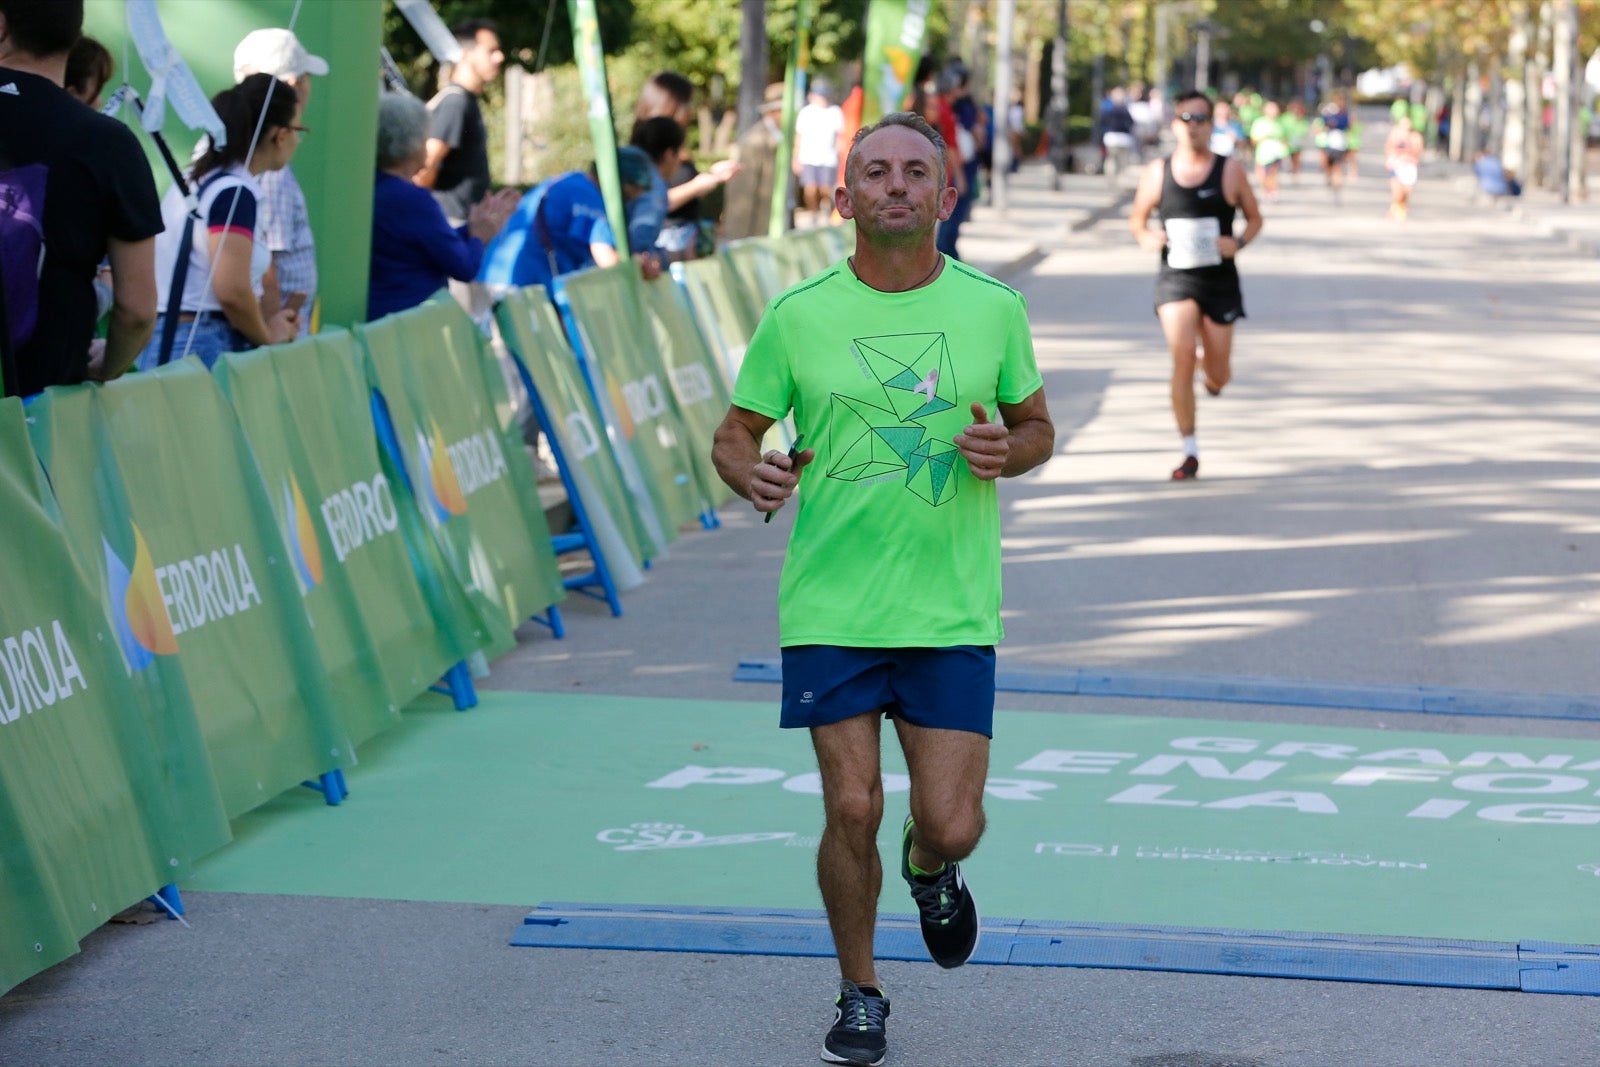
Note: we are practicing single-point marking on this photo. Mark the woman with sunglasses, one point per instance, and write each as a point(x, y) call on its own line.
point(1198, 194)
point(210, 267)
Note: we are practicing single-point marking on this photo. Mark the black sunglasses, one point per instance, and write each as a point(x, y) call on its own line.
point(1193, 118)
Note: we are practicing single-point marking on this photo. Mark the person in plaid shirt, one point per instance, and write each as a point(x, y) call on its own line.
point(285, 223)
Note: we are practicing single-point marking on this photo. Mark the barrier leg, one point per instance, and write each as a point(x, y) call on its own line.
point(331, 785)
point(457, 684)
point(167, 899)
point(586, 539)
point(552, 619)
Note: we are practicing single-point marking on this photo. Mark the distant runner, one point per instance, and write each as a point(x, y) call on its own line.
point(1197, 292)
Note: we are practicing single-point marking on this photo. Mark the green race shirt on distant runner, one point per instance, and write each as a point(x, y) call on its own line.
point(896, 543)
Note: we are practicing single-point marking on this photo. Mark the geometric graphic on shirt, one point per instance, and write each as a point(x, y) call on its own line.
point(304, 550)
point(874, 437)
point(138, 613)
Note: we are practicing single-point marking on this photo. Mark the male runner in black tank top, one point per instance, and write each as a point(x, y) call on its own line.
point(1197, 292)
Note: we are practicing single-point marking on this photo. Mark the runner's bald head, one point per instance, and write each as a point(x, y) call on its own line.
point(909, 119)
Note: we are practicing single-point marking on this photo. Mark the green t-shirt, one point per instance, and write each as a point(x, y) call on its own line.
point(1271, 143)
point(895, 543)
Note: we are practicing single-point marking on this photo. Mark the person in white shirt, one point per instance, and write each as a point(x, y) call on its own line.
point(817, 129)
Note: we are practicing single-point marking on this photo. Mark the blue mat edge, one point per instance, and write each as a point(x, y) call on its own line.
point(1250, 689)
point(1528, 966)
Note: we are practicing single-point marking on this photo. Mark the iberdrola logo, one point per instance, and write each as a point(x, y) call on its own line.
point(303, 546)
point(619, 404)
point(143, 627)
point(439, 475)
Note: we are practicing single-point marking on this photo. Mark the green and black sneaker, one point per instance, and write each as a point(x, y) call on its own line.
point(945, 905)
point(858, 1036)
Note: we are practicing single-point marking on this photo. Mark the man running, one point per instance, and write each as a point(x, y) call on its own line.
point(892, 362)
point(1197, 292)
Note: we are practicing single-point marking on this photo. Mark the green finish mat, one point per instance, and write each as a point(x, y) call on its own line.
point(1094, 818)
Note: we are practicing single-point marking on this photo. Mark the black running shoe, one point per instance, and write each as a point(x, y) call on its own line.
point(949, 915)
point(1188, 470)
point(858, 1037)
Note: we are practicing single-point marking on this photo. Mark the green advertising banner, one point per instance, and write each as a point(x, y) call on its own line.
point(532, 332)
point(342, 111)
point(618, 342)
point(202, 592)
point(723, 308)
point(87, 825)
point(755, 264)
point(471, 475)
point(811, 250)
point(895, 30)
point(591, 57)
point(698, 391)
point(340, 521)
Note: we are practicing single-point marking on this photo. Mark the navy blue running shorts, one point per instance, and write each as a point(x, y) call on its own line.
point(939, 688)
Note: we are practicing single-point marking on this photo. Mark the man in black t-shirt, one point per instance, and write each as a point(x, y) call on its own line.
point(456, 167)
point(99, 198)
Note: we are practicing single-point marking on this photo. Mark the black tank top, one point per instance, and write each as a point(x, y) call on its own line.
point(1205, 200)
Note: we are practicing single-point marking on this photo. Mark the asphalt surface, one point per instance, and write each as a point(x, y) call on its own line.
point(1398, 487)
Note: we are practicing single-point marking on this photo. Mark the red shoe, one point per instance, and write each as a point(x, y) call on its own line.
point(1188, 470)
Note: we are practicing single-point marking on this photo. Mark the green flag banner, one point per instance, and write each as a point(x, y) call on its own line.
point(895, 30)
point(471, 475)
point(794, 85)
point(618, 342)
point(340, 519)
point(200, 580)
point(532, 331)
point(591, 57)
point(698, 391)
point(87, 826)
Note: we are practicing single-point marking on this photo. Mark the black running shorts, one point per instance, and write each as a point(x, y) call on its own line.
point(1215, 289)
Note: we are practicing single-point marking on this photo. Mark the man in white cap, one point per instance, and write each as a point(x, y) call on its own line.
point(284, 218)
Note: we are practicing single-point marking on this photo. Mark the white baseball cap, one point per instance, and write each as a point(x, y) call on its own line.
point(275, 52)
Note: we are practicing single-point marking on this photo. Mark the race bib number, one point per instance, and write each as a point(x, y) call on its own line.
point(1338, 140)
point(1192, 243)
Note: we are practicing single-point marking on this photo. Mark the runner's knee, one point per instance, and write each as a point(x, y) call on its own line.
point(953, 835)
point(854, 808)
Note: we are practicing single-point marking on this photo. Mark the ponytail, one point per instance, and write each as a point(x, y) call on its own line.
point(240, 110)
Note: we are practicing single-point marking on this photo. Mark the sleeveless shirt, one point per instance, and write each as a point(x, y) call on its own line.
point(1204, 201)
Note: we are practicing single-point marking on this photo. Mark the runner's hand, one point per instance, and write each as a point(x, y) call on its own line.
point(772, 481)
point(984, 445)
point(1228, 246)
point(1153, 240)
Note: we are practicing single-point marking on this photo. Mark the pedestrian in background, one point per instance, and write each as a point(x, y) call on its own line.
point(867, 632)
point(74, 188)
point(1197, 299)
point(818, 129)
point(456, 163)
point(687, 231)
point(210, 274)
point(415, 250)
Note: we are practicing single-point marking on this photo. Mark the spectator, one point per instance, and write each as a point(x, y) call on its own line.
point(662, 139)
point(1492, 177)
point(747, 207)
point(1119, 146)
point(84, 178)
point(456, 164)
point(210, 282)
point(669, 94)
point(971, 137)
point(89, 68)
point(818, 128)
point(285, 223)
point(415, 250)
point(561, 226)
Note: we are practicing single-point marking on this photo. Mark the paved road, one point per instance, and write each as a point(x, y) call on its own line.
point(1398, 488)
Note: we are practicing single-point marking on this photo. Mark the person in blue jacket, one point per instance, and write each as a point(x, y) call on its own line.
point(415, 250)
point(561, 226)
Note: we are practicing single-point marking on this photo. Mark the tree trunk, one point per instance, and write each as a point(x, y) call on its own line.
point(1497, 107)
point(1060, 148)
point(1002, 99)
point(1458, 111)
point(752, 62)
point(1513, 143)
point(1541, 155)
point(1472, 100)
point(1564, 52)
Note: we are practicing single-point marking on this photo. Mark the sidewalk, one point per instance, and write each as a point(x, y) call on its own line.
point(1038, 217)
point(1575, 224)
